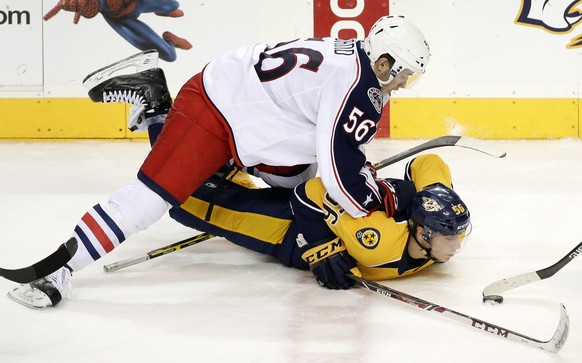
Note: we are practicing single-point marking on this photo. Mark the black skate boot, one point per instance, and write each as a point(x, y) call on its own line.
point(147, 88)
point(136, 80)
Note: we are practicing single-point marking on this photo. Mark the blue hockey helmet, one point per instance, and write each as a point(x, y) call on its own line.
point(441, 210)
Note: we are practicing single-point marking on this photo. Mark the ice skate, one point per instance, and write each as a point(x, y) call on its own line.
point(136, 63)
point(147, 88)
point(44, 292)
point(135, 80)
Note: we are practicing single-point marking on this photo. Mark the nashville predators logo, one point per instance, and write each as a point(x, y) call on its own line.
point(554, 16)
point(368, 237)
point(430, 205)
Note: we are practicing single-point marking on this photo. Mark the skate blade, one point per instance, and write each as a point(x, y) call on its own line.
point(136, 63)
point(30, 297)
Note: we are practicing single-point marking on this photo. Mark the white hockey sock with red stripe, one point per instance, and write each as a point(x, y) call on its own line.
point(130, 209)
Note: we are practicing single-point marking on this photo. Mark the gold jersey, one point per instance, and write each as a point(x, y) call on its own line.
point(376, 242)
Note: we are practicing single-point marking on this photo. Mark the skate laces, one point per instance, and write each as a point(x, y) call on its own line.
point(127, 96)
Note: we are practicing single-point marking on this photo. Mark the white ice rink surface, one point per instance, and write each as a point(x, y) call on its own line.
point(216, 302)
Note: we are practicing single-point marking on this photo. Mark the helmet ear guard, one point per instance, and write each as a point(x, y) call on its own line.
point(426, 234)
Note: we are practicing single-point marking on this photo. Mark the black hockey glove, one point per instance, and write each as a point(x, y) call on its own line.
point(329, 263)
point(396, 195)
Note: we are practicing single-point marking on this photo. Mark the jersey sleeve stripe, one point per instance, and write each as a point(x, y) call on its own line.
point(301, 196)
point(369, 183)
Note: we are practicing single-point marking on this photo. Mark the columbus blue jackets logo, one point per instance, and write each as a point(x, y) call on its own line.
point(376, 98)
point(368, 237)
point(555, 16)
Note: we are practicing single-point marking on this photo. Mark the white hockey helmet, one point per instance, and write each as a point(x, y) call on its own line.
point(394, 35)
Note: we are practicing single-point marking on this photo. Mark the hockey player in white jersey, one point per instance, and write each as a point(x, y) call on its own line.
point(277, 109)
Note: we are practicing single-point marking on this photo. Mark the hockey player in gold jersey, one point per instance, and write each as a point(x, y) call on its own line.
point(430, 225)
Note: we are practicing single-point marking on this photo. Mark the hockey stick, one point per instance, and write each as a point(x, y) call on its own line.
point(462, 141)
point(492, 291)
point(553, 345)
point(44, 267)
point(157, 252)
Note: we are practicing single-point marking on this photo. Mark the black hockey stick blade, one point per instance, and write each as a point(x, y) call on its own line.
point(461, 141)
point(44, 267)
point(491, 292)
point(553, 345)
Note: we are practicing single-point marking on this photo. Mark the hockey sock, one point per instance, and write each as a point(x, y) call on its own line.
point(130, 209)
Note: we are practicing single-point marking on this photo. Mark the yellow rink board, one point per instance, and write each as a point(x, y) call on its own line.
point(487, 118)
point(63, 118)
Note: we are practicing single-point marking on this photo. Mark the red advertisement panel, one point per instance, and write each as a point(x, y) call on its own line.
point(348, 19)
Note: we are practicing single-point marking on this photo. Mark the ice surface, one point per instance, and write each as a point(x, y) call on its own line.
point(216, 302)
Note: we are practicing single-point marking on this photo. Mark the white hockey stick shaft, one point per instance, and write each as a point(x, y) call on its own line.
point(503, 285)
point(553, 345)
point(461, 141)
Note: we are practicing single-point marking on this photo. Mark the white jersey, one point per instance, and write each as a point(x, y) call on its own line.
point(308, 101)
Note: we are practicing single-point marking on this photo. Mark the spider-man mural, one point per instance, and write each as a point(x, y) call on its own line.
point(122, 16)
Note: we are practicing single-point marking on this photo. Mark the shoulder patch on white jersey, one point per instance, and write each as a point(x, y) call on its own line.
point(376, 98)
point(368, 237)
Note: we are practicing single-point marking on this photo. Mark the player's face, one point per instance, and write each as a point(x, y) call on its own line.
point(443, 247)
point(402, 79)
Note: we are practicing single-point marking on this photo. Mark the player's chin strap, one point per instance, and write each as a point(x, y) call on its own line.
point(424, 250)
point(384, 83)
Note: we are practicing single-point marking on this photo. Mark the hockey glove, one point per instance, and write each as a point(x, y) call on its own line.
point(329, 263)
point(396, 195)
